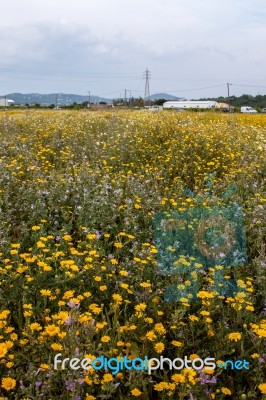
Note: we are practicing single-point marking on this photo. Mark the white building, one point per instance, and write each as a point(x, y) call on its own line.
point(6, 102)
point(186, 104)
point(154, 108)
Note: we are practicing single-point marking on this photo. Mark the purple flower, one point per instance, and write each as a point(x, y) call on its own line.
point(70, 385)
point(204, 379)
point(68, 321)
point(38, 384)
point(262, 359)
point(21, 385)
point(72, 305)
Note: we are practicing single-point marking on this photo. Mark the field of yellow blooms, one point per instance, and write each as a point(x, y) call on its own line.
point(78, 259)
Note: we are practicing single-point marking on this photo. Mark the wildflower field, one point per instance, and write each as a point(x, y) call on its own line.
point(79, 263)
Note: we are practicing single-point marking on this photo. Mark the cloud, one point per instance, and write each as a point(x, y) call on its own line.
point(77, 41)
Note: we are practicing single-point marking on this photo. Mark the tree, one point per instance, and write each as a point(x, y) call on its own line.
point(159, 102)
point(138, 102)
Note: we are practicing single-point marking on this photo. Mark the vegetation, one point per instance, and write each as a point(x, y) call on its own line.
point(257, 102)
point(78, 257)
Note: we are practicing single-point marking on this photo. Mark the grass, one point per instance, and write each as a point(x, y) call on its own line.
point(79, 263)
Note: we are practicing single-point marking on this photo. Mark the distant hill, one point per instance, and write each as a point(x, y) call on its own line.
point(165, 96)
point(53, 98)
point(64, 99)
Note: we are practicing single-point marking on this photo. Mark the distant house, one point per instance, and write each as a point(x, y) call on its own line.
point(6, 102)
point(100, 106)
point(188, 104)
point(223, 106)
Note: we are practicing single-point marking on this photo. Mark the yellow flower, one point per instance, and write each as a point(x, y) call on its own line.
point(118, 245)
point(250, 308)
point(15, 245)
point(176, 343)
point(3, 350)
point(40, 245)
point(159, 347)
point(56, 346)
point(255, 355)
point(44, 367)
point(68, 294)
point(9, 365)
point(9, 344)
point(140, 307)
point(136, 392)
point(236, 336)
point(190, 375)
point(67, 238)
point(262, 388)
point(105, 339)
point(35, 326)
point(13, 252)
point(35, 228)
point(208, 371)
point(91, 236)
point(51, 330)
point(205, 313)
point(145, 284)
point(13, 336)
point(159, 387)
point(261, 333)
point(117, 298)
point(4, 314)
point(194, 356)
point(160, 328)
point(205, 295)
point(124, 285)
point(45, 292)
point(101, 325)
point(226, 391)
point(107, 378)
point(178, 378)
point(150, 335)
point(8, 383)
point(193, 318)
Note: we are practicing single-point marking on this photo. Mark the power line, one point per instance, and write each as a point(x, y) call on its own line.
point(147, 76)
point(71, 80)
point(184, 90)
point(30, 70)
point(264, 87)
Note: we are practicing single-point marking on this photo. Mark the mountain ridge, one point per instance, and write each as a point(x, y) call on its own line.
point(64, 99)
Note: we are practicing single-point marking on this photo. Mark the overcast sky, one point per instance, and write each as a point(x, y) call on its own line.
point(192, 48)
